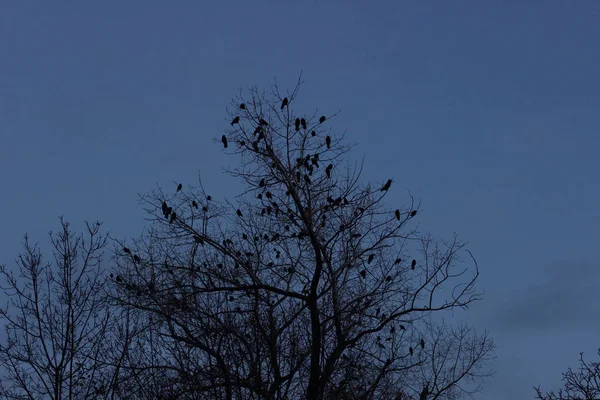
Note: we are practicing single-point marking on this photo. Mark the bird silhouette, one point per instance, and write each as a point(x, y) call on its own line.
point(328, 170)
point(126, 250)
point(371, 257)
point(243, 106)
point(205, 209)
point(322, 119)
point(363, 273)
point(235, 121)
point(313, 134)
point(224, 140)
point(164, 207)
point(179, 187)
point(398, 261)
point(259, 196)
point(168, 212)
point(242, 143)
point(387, 186)
point(377, 311)
point(397, 215)
point(239, 213)
point(328, 141)
point(297, 124)
point(388, 279)
point(136, 258)
point(410, 349)
point(208, 198)
point(173, 216)
point(413, 213)
point(119, 279)
point(262, 183)
point(269, 195)
point(413, 264)
point(422, 343)
point(284, 102)
point(263, 122)
point(194, 204)
point(303, 122)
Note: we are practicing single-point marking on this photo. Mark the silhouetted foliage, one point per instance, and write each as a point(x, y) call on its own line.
point(279, 304)
point(57, 324)
point(581, 384)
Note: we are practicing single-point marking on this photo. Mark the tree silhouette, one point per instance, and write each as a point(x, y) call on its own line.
point(583, 383)
point(280, 304)
point(57, 323)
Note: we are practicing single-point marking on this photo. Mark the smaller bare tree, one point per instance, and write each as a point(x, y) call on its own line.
point(583, 384)
point(56, 320)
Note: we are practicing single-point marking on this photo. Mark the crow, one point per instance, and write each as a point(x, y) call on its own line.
point(126, 250)
point(363, 273)
point(194, 204)
point(297, 124)
point(397, 215)
point(387, 185)
point(136, 258)
point(243, 106)
point(235, 121)
point(164, 207)
point(239, 213)
point(413, 213)
point(422, 343)
point(303, 122)
point(371, 257)
point(322, 119)
point(284, 102)
point(173, 216)
point(388, 279)
point(119, 279)
point(413, 264)
point(269, 195)
point(261, 183)
point(328, 170)
point(257, 130)
point(208, 198)
point(242, 143)
point(168, 212)
point(377, 311)
point(263, 122)
point(179, 187)
point(224, 140)
point(398, 261)
point(313, 134)
point(410, 349)
point(328, 141)
point(205, 209)
point(259, 196)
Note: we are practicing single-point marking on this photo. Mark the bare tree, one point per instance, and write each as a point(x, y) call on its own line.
point(582, 384)
point(55, 320)
point(307, 286)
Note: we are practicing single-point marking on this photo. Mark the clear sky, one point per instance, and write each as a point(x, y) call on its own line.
point(486, 110)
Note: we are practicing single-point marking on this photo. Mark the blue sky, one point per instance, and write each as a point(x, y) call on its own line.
point(486, 110)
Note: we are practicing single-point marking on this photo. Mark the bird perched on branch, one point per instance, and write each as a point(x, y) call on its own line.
point(224, 140)
point(371, 257)
point(284, 102)
point(297, 124)
point(235, 120)
point(328, 141)
point(243, 106)
point(322, 119)
point(397, 215)
point(179, 187)
point(413, 213)
point(387, 186)
point(413, 264)
point(328, 170)
point(303, 123)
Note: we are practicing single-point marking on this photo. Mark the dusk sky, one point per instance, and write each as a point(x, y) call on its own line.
point(487, 111)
